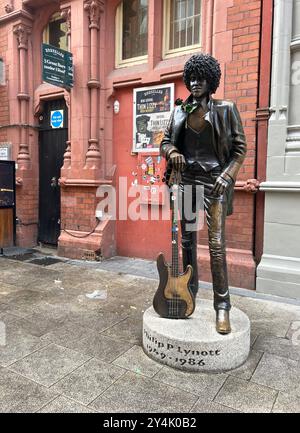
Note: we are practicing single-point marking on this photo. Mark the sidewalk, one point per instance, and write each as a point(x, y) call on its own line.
point(69, 352)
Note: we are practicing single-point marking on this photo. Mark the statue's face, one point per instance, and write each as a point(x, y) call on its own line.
point(198, 86)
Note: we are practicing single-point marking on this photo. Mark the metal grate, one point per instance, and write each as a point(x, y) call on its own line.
point(91, 255)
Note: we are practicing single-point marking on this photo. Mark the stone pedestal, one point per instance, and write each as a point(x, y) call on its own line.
point(193, 344)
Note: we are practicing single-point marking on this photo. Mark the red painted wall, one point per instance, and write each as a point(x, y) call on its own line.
point(136, 238)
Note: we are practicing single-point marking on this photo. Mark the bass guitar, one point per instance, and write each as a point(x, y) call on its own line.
point(173, 298)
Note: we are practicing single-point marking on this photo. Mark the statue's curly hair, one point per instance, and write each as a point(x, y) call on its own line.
point(205, 67)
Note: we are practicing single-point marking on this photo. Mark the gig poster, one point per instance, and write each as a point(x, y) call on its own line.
point(152, 107)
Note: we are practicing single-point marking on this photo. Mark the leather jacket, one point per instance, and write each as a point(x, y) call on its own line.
point(228, 137)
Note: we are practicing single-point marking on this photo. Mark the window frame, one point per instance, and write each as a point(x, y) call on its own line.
point(167, 52)
point(46, 36)
point(119, 62)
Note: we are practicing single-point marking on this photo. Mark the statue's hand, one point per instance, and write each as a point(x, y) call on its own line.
point(222, 183)
point(177, 161)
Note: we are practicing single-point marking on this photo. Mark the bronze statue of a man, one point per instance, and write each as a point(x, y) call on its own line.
point(205, 140)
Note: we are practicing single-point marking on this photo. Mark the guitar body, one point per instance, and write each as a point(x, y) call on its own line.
point(173, 298)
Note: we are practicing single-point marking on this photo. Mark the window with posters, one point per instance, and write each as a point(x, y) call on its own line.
point(152, 108)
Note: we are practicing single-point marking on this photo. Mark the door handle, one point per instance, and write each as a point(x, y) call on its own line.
point(54, 182)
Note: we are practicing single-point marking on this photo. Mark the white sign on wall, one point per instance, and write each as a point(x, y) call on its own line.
point(5, 151)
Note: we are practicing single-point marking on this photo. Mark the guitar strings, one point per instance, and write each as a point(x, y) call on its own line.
point(174, 299)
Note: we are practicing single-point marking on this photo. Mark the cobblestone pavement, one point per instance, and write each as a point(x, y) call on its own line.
point(65, 351)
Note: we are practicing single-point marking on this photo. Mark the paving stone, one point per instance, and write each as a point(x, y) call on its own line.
point(277, 372)
point(23, 298)
point(137, 361)
point(273, 326)
point(101, 347)
point(73, 283)
point(66, 334)
point(247, 369)
point(98, 319)
point(200, 384)
point(246, 396)
point(38, 324)
point(18, 344)
point(33, 301)
point(134, 296)
point(7, 289)
point(18, 394)
point(6, 263)
point(57, 308)
point(12, 276)
point(49, 365)
point(135, 393)
point(287, 403)
point(19, 312)
point(278, 346)
point(88, 381)
point(129, 330)
point(46, 309)
point(63, 405)
point(284, 311)
point(205, 294)
point(7, 318)
point(252, 307)
point(204, 406)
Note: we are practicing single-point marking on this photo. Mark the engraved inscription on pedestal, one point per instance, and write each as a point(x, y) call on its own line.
point(177, 354)
point(193, 344)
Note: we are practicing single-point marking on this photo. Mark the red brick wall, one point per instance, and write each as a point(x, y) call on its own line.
point(241, 84)
point(241, 79)
point(78, 208)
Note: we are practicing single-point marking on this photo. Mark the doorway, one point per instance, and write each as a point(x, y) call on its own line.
point(52, 145)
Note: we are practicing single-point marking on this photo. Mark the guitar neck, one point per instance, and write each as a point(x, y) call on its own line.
point(175, 262)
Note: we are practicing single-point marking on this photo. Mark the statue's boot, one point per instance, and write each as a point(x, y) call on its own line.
point(223, 321)
point(221, 296)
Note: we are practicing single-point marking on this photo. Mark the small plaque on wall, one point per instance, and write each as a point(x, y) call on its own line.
point(5, 151)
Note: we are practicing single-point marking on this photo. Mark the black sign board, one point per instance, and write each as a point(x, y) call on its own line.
point(57, 66)
point(7, 184)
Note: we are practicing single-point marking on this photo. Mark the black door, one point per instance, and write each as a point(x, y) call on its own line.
point(52, 145)
point(7, 204)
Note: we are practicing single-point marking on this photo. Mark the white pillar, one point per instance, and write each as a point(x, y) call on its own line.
point(279, 270)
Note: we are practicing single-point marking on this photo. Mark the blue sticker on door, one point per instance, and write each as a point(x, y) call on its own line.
point(57, 119)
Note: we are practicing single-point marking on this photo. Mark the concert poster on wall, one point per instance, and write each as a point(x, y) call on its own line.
point(152, 107)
